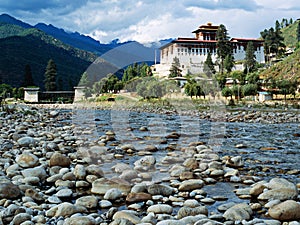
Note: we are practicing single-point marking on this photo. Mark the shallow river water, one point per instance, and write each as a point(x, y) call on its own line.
point(269, 150)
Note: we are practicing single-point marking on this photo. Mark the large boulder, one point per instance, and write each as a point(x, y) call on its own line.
point(8, 189)
point(27, 160)
point(238, 212)
point(58, 159)
point(285, 211)
point(102, 185)
point(189, 185)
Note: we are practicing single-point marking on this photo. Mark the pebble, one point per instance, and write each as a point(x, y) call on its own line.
point(52, 174)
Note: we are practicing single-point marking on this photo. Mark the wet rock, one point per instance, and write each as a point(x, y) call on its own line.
point(27, 160)
point(189, 185)
point(58, 159)
point(53, 113)
point(121, 221)
point(238, 212)
point(88, 202)
point(105, 204)
point(80, 220)
point(285, 211)
point(65, 210)
point(160, 209)
point(278, 183)
point(191, 163)
point(79, 172)
point(236, 161)
point(21, 218)
point(64, 193)
point(128, 215)
point(35, 195)
point(280, 194)
point(160, 189)
point(8, 189)
point(129, 175)
point(257, 189)
point(188, 211)
point(5, 145)
point(92, 155)
point(113, 194)
point(26, 141)
point(38, 171)
point(145, 162)
point(138, 197)
point(95, 170)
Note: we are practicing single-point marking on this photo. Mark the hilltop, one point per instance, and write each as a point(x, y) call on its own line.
point(291, 34)
point(287, 69)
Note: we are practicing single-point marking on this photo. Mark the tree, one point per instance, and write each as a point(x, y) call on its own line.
point(28, 80)
point(249, 89)
point(223, 46)
point(5, 90)
point(150, 87)
point(84, 80)
point(192, 88)
point(50, 76)
point(209, 66)
point(250, 59)
point(175, 70)
point(237, 91)
point(228, 63)
point(227, 92)
point(273, 41)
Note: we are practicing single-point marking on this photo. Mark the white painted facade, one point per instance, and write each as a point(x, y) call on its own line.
point(192, 52)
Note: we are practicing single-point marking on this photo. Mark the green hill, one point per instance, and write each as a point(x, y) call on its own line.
point(289, 68)
point(291, 35)
point(20, 46)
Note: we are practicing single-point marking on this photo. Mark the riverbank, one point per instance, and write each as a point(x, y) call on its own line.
point(216, 110)
point(54, 171)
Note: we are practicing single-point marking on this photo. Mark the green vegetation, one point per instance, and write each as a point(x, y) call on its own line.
point(224, 50)
point(32, 48)
point(175, 70)
point(50, 76)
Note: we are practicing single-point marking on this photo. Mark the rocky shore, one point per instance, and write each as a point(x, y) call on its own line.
point(51, 173)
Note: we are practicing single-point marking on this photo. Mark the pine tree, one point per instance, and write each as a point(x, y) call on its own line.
point(50, 76)
point(28, 80)
point(209, 66)
point(250, 61)
point(223, 46)
point(175, 70)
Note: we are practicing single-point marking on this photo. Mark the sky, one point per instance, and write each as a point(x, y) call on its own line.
point(152, 20)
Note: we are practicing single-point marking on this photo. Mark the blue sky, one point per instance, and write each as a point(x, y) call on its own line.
point(152, 20)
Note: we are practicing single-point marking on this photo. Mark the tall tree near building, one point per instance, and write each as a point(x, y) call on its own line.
point(250, 59)
point(28, 80)
point(273, 41)
point(209, 66)
point(223, 46)
point(50, 76)
point(228, 63)
point(175, 70)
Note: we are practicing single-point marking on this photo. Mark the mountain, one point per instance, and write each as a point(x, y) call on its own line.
point(20, 46)
point(22, 43)
point(75, 39)
point(5, 18)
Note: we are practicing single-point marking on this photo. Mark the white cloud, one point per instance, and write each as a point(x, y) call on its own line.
point(151, 20)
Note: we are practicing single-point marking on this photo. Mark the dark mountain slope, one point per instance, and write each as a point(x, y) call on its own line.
point(17, 51)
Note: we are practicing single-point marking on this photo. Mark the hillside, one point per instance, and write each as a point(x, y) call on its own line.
point(290, 34)
point(9, 30)
point(17, 51)
point(289, 68)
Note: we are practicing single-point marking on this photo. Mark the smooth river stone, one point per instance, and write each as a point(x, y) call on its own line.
point(288, 210)
point(189, 185)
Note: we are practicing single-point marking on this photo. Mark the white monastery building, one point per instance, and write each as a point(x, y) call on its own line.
point(192, 52)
